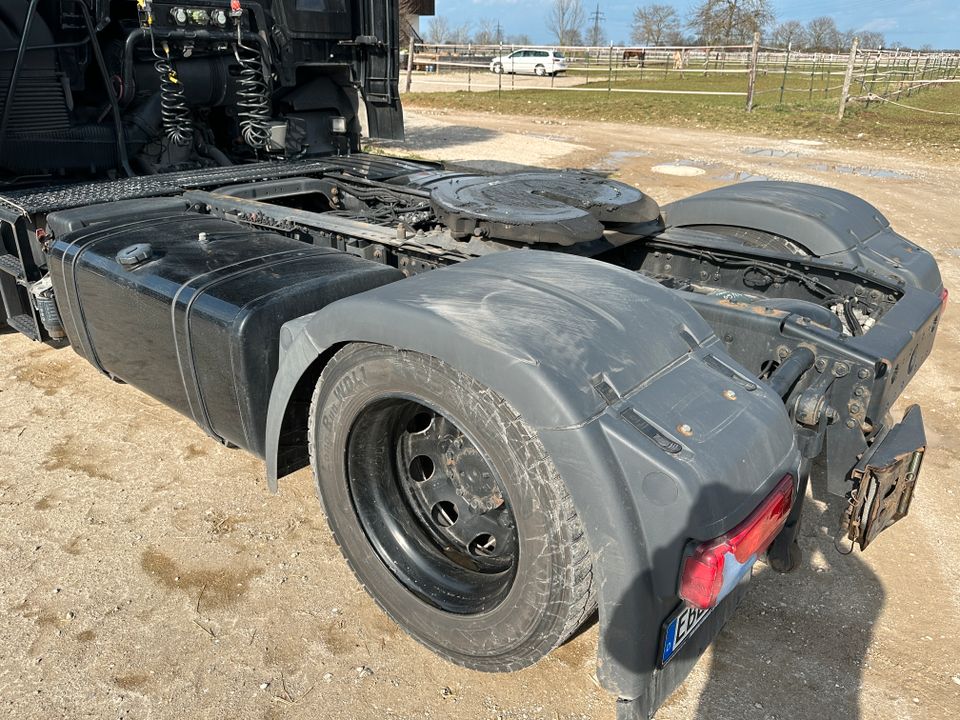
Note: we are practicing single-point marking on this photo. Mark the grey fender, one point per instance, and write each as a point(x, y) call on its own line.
point(828, 222)
point(606, 366)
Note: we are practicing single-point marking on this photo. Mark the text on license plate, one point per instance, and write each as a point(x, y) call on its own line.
point(678, 628)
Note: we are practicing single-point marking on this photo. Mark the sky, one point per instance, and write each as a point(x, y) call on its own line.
point(916, 23)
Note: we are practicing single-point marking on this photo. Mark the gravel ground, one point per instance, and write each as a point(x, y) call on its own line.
point(148, 573)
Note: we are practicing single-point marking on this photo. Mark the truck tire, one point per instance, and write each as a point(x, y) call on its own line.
point(447, 509)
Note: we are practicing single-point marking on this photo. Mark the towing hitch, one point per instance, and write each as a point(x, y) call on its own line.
point(884, 480)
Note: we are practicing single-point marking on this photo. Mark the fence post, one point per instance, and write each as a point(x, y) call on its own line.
point(813, 73)
point(845, 93)
point(876, 66)
point(469, 65)
point(410, 63)
point(786, 64)
point(752, 76)
point(500, 74)
point(609, 71)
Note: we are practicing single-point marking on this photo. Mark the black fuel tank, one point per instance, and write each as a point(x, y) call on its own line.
point(188, 308)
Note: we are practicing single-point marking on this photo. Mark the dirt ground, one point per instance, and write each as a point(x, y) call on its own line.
point(147, 573)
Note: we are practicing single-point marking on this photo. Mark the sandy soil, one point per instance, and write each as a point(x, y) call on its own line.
point(147, 573)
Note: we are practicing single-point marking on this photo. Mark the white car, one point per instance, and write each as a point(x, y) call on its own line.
point(533, 62)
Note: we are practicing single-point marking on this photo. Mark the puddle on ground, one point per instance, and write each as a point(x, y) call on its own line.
point(861, 171)
point(685, 167)
point(680, 169)
point(770, 152)
point(616, 159)
point(741, 176)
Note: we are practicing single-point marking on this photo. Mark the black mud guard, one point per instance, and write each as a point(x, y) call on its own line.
point(659, 435)
point(830, 223)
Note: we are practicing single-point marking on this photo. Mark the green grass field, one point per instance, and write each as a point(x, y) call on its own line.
point(804, 113)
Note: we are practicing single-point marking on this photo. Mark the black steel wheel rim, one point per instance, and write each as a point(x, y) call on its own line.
point(431, 506)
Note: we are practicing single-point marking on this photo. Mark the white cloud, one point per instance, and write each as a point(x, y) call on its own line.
point(880, 25)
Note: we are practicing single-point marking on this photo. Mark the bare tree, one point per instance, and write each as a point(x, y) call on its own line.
point(789, 33)
point(845, 40)
point(438, 31)
point(460, 35)
point(565, 20)
point(872, 40)
point(596, 35)
point(725, 22)
point(822, 34)
point(519, 39)
point(655, 24)
point(488, 32)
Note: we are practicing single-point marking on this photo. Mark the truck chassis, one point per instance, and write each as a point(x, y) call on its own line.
point(524, 397)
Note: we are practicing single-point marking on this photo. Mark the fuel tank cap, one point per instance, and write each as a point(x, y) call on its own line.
point(135, 254)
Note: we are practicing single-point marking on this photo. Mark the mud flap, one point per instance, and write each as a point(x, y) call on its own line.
point(884, 480)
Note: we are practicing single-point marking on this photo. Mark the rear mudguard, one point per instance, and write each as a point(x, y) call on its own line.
point(659, 435)
point(829, 223)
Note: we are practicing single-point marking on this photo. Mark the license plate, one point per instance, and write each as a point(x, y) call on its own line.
point(678, 627)
point(685, 620)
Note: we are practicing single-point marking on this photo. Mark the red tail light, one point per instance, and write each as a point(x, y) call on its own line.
point(715, 566)
point(944, 296)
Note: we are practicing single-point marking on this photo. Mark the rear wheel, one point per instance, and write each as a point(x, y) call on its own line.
point(447, 509)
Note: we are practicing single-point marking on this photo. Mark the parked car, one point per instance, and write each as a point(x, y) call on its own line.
point(536, 62)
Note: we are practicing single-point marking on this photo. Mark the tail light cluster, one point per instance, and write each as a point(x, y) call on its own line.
point(714, 567)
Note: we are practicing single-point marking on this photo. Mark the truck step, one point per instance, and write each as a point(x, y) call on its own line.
point(24, 324)
point(11, 265)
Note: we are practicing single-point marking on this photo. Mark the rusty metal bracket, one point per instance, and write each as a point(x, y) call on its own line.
point(884, 480)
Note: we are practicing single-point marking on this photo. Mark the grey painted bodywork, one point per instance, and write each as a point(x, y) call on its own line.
point(829, 223)
point(544, 330)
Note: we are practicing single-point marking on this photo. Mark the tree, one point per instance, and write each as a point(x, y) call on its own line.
point(519, 39)
point(822, 34)
point(789, 33)
point(565, 20)
point(872, 39)
point(488, 32)
point(655, 25)
point(729, 22)
point(438, 31)
point(845, 40)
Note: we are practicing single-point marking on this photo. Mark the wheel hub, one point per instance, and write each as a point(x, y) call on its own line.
point(432, 506)
point(455, 494)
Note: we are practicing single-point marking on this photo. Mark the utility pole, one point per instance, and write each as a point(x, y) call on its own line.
point(597, 18)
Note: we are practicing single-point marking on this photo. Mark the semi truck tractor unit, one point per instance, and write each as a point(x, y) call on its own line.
point(526, 398)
